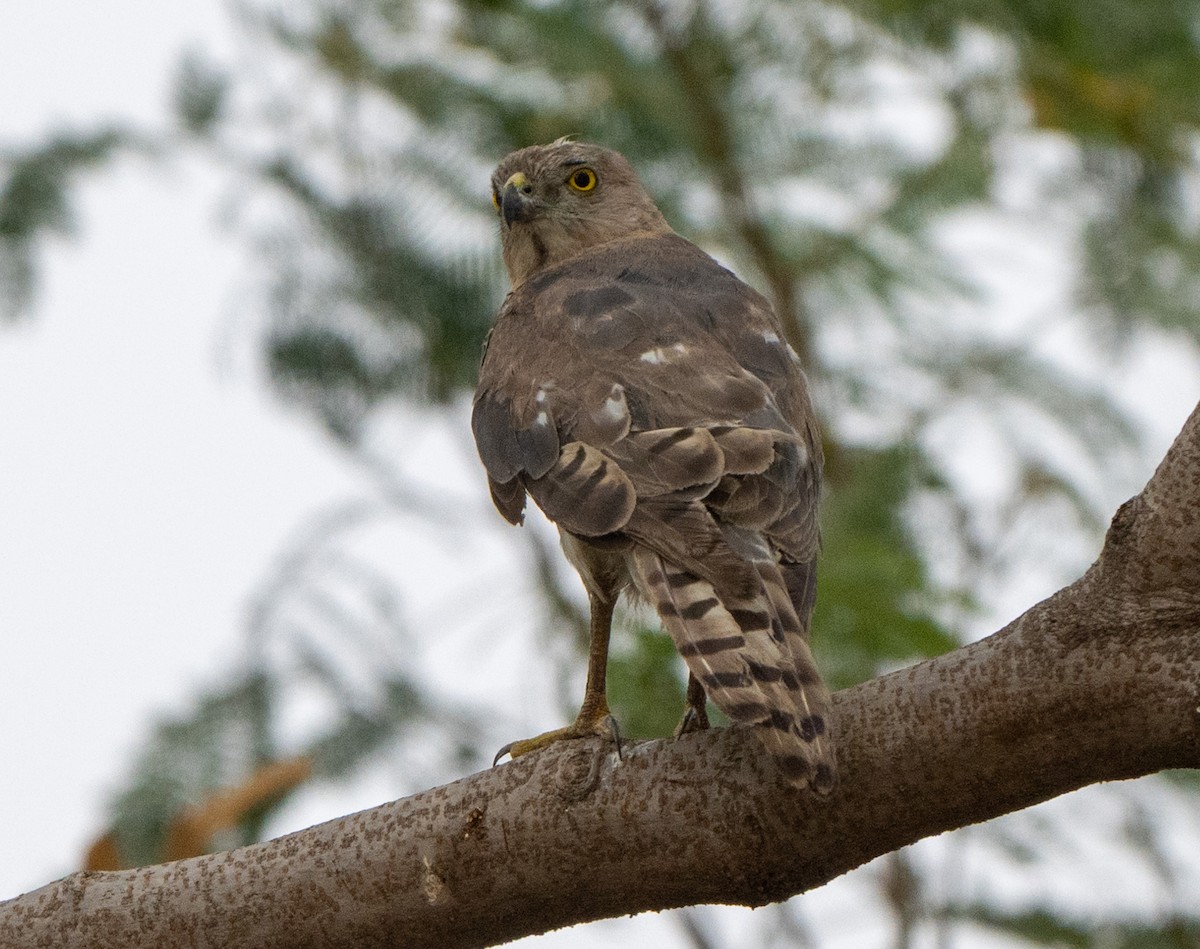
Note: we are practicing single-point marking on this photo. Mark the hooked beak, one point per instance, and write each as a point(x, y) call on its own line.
point(516, 199)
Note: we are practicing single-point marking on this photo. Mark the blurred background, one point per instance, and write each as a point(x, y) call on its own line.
point(250, 578)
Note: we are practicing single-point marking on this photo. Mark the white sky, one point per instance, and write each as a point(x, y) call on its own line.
point(146, 477)
point(145, 483)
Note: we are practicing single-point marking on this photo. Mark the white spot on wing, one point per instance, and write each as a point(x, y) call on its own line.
point(612, 415)
point(770, 336)
point(614, 407)
point(542, 418)
point(659, 354)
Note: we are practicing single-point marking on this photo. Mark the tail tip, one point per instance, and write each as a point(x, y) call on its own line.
point(824, 779)
point(801, 771)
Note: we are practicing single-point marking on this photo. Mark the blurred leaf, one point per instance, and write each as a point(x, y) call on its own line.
point(322, 359)
point(875, 605)
point(1044, 928)
point(1142, 260)
point(213, 746)
point(437, 311)
point(35, 200)
point(645, 682)
point(1186, 778)
point(1105, 71)
point(200, 93)
point(356, 733)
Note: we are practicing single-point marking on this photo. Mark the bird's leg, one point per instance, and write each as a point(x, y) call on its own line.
point(594, 711)
point(695, 716)
point(594, 717)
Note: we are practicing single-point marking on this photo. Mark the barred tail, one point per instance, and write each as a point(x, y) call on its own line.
point(742, 649)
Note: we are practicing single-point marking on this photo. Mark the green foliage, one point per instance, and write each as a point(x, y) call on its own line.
point(645, 682)
point(200, 93)
point(683, 101)
point(35, 200)
point(876, 606)
point(1042, 927)
point(399, 318)
point(1123, 80)
point(1143, 254)
point(233, 728)
point(211, 746)
point(1112, 73)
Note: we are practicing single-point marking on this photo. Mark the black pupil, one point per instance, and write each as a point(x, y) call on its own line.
point(583, 179)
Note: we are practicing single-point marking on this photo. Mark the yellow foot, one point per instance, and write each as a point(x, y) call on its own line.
point(604, 725)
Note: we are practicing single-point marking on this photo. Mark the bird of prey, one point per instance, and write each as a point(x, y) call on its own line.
point(646, 400)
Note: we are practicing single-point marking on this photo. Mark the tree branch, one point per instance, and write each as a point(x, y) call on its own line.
point(1097, 683)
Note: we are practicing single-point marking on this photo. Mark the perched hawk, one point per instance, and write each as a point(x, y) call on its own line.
point(643, 396)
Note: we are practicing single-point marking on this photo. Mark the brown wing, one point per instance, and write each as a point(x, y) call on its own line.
point(641, 390)
point(603, 351)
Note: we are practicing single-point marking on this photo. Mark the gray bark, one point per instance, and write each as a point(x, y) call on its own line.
point(1100, 682)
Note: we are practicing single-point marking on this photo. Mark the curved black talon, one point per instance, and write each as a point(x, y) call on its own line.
point(694, 720)
point(616, 734)
point(695, 715)
point(502, 752)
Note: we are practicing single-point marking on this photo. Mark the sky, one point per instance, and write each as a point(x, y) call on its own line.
point(148, 478)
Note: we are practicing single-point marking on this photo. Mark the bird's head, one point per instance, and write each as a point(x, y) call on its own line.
point(555, 201)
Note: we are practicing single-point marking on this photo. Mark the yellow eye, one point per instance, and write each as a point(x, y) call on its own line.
point(495, 199)
point(583, 179)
